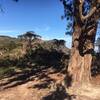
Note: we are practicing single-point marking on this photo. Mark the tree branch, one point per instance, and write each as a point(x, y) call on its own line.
point(91, 12)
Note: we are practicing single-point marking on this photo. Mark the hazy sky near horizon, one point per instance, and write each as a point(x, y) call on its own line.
point(41, 16)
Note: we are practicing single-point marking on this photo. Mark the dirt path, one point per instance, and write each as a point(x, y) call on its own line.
point(86, 92)
point(35, 89)
point(16, 93)
point(38, 88)
point(23, 92)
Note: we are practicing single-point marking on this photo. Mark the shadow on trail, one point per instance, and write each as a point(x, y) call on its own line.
point(35, 66)
point(23, 77)
point(59, 94)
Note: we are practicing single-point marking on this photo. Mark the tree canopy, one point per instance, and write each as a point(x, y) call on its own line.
point(29, 35)
point(87, 8)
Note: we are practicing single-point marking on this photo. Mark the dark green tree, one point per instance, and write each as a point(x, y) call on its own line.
point(27, 39)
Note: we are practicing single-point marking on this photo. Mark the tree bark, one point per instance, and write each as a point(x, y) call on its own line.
point(79, 68)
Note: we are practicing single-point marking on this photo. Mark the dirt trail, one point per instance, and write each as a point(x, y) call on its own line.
point(16, 93)
point(22, 92)
point(37, 89)
point(87, 93)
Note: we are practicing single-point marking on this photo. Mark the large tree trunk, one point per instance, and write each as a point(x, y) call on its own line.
point(79, 67)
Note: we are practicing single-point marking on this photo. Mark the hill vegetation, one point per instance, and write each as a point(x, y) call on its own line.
point(47, 53)
point(7, 44)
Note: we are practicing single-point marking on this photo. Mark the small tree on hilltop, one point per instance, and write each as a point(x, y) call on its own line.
point(27, 39)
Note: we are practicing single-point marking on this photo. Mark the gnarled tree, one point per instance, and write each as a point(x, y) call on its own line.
point(83, 16)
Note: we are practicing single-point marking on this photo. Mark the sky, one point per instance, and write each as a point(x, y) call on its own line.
point(41, 16)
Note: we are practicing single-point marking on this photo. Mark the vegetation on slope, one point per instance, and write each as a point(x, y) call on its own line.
point(43, 53)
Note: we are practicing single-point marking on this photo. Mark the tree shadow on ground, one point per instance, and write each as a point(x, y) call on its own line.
point(23, 77)
point(59, 94)
point(37, 65)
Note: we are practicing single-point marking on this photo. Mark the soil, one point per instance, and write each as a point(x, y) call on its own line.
point(45, 87)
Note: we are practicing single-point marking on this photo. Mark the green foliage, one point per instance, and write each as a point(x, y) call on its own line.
point(29, 35)
point(72, 13)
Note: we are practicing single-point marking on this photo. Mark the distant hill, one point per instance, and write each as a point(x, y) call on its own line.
point(13, 56)
point(8, 43)
point(3, 38)
point(11, 45)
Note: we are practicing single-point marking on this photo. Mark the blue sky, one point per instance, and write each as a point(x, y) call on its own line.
point(41, 16)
